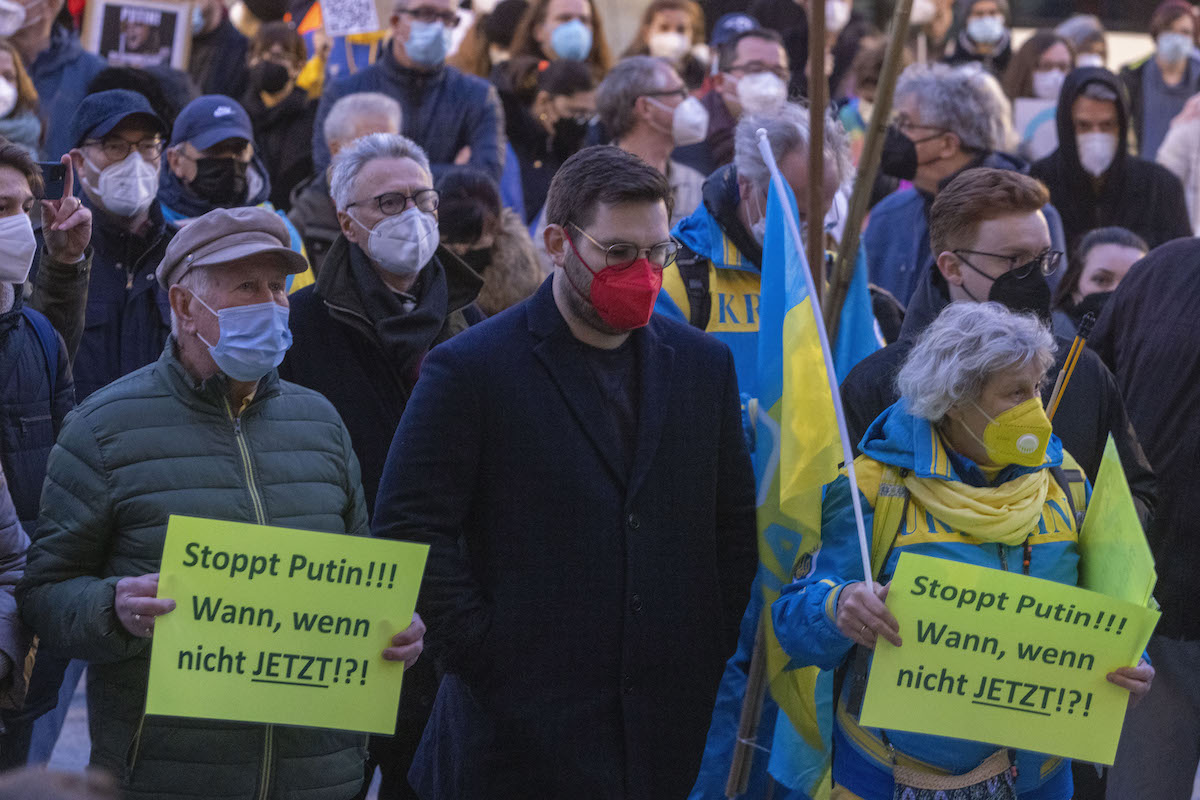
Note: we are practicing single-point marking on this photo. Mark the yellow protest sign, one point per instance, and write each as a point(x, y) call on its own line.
point(281, 626)
point(1114, 556)
point(1003, 658)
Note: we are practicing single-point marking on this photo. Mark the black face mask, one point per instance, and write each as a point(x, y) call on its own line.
point(899, 156)
point(1093, 303)
point(568, 136)
point(221, 181)
point(1030, 293)
point(478, 259)
point(269, 77)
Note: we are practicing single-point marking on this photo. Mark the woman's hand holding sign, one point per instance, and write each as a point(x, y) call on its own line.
point(137, 604)
point(862, 615)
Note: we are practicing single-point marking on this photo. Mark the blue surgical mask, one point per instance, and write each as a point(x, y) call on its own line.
point(1174, 47)
point(254, 339)
point(572, 40)
point(428, 43)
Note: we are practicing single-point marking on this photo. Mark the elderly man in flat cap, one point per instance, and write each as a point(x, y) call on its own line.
point(208, 430)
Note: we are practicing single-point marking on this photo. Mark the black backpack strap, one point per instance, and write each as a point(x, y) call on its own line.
point(693, 270)
point(1065, 480)
point(48, 341)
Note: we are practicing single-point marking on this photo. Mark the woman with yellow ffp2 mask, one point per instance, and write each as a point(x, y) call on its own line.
point(964, 467)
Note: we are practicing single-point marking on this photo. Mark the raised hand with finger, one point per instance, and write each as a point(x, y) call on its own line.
point(66, 223)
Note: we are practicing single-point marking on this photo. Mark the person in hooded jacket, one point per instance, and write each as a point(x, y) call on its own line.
point(386, 294)
point(281, 112)
point(1002, 212)
point(1094, 181)
point(945, 120)
point(984, 38)
point(212, 163)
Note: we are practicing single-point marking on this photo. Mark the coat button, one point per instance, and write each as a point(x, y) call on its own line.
point(636, 603)
point(627, 683)
point(633, 522)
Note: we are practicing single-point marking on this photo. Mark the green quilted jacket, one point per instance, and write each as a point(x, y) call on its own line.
point(156, 443)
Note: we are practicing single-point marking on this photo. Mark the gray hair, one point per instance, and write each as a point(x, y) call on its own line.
point(356, 155)
point(618, 93)
point(199, 282)
point(787, 130)
point(1078, 27)
point(339, 123)
point(1095, 90)
point(962, 348)
point(965, 101)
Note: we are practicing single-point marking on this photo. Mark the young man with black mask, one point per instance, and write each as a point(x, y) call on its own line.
point(992, 244)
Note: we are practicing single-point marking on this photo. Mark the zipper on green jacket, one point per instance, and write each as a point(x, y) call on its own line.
point(261, 516)
point(268, 754)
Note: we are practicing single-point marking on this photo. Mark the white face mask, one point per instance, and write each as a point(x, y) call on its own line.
point(689, 121)
point(986, 30)
point(8, 98)
point(669, 45)
point(866, 109)
point(923, 12)
point(1096, 151)
point(1048, 83)
point(12, 17)
point(1174, 47)
point(761, 92)
point(1089, 60)
point(837, 14)
point(17, 246)
point(128, 187)
point(404, 243)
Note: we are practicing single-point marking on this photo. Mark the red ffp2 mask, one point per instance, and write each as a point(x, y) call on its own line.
point(622, 296)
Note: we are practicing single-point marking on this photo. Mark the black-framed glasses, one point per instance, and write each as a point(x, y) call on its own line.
point(427, 15)
point(622, 254)
point(392, 203)
point(1046, 262)
point(117, 149)
point(756, 67)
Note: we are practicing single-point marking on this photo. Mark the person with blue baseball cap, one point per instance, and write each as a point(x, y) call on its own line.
point(212, 163)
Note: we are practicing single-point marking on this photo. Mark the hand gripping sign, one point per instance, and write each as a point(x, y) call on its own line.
point(276, 625)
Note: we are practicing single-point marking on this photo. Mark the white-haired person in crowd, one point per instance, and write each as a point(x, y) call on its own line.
point(313, 212)
point(946, 120)
point(967, 459)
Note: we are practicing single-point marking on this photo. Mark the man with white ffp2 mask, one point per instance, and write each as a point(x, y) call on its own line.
point(752, 77)
point(386, 293)
point(117, 143)
point(644, 105)
point(1094, 181)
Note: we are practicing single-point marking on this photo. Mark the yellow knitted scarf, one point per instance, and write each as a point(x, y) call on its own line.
point(1007, 513)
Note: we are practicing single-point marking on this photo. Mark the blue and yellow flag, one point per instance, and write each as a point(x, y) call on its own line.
point(797, 451)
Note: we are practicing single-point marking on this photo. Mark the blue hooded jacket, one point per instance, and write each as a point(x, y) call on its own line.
point(804, 613)
point(61, 74)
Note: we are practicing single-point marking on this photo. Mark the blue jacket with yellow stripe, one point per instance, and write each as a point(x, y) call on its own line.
point(715, 233)
point(804, 614)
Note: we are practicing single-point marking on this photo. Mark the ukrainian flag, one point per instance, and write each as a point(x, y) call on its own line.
point(797, 451)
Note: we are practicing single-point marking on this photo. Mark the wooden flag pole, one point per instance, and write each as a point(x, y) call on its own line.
point(868, 166)
point(818, 99)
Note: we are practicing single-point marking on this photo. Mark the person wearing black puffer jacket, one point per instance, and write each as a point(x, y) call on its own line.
point(1094, 182)
point(281, 113)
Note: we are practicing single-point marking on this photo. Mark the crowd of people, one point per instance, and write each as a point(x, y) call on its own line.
point(486, 281)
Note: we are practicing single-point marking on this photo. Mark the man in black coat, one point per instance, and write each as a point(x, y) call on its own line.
point(977, 203)
point(1148, 335)
point(1094, 182)
point(580, 472)
point(359, 335)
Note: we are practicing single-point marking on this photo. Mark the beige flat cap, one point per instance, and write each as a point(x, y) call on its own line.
point(224, 235)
